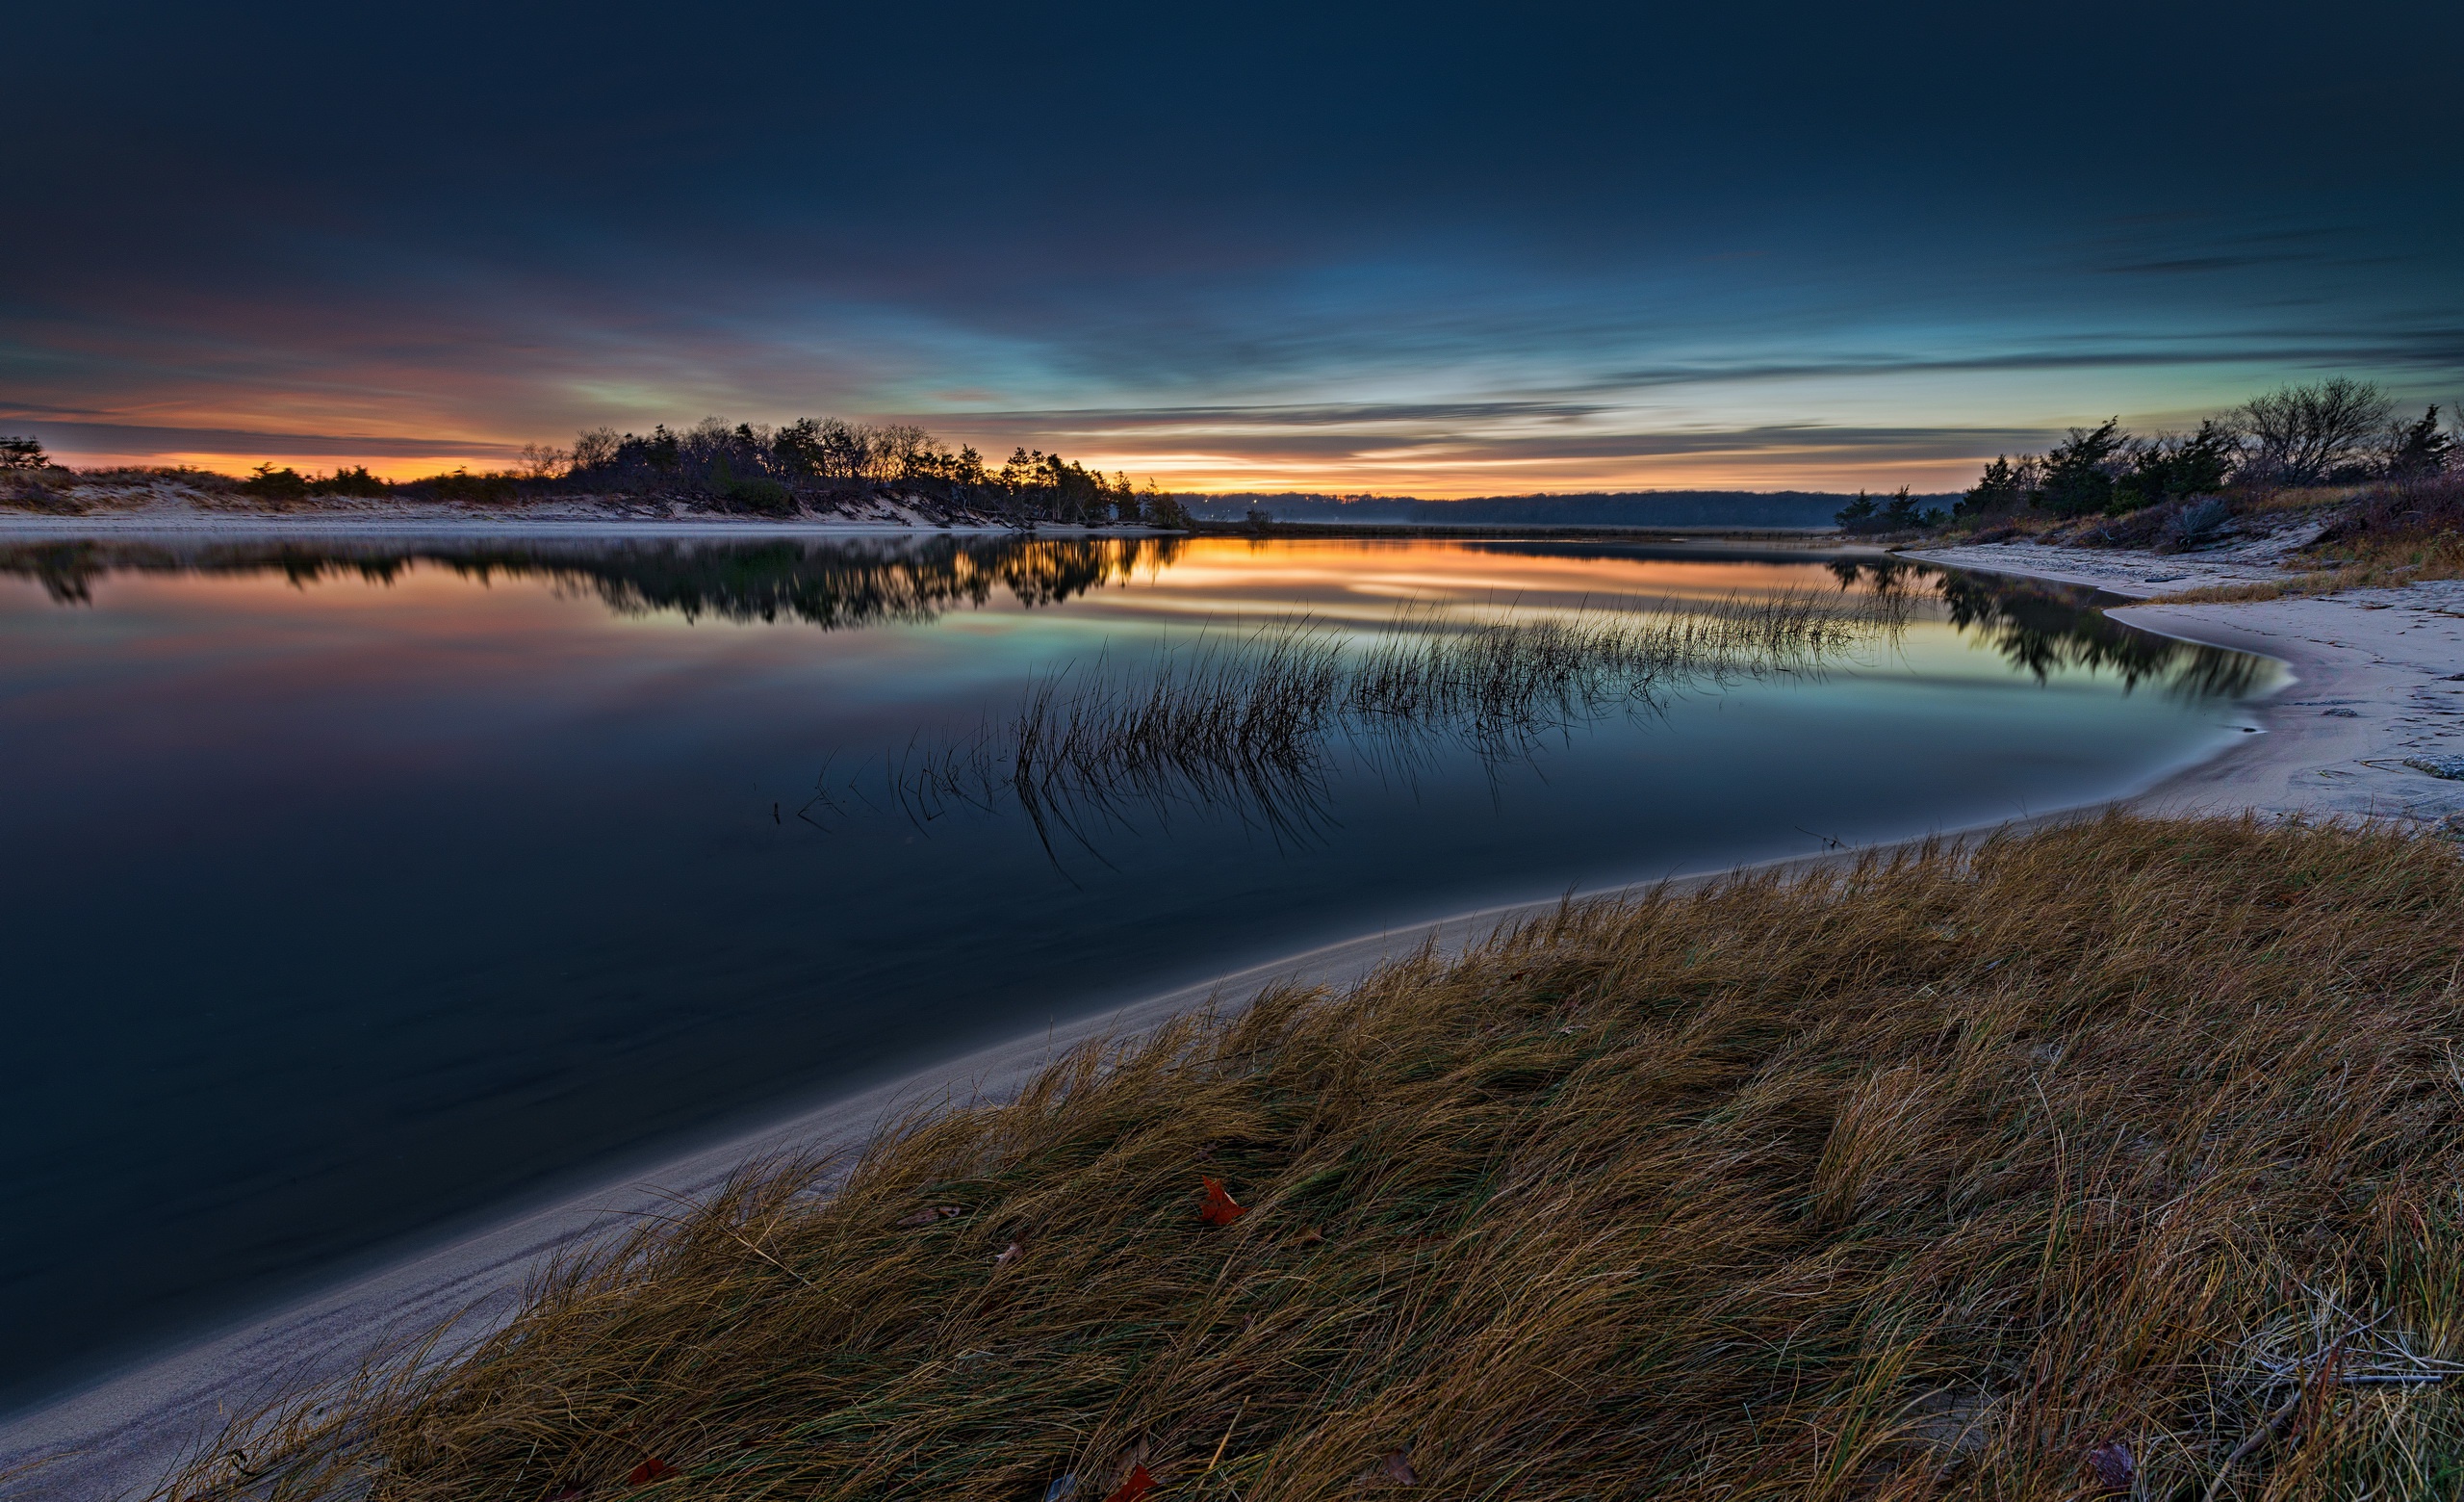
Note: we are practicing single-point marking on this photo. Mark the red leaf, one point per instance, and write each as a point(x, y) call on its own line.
point(1220, 1209)
point(1137, 1486)
point(1399, 1470)
point(649, 1470)
point(2114, 1468)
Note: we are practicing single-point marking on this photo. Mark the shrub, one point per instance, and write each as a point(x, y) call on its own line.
point(269, 484)
point(2174, 468)
point(356, 482)
point(2420, 450)
point(2003, 486)
point(23, 453)
point(463, 487)
point(2193, 523)
point(765, 497)
point(1903, 512)
point(2079, 473)
point(2306, 435)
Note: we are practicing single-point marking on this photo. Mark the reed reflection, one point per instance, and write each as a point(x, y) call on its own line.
point(1259, 724)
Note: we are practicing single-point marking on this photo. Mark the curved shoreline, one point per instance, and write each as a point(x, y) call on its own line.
point(123, 1431)
point(2375, 683)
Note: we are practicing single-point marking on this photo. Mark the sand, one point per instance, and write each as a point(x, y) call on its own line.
point(2377, 679)
point(2378, 682)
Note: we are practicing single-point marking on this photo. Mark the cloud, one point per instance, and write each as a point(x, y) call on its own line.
point(125, 438)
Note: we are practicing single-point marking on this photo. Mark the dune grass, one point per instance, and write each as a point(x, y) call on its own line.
point(2366, 563)
point(2119, 1159)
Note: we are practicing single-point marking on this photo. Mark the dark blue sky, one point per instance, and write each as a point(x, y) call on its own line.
point(1421, 248)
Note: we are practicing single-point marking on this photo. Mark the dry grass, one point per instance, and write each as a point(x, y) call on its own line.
point(2293, 500)
point(2365, 562)
point(2127, 1148)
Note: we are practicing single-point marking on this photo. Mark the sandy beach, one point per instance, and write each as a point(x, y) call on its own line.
point(2378, 680)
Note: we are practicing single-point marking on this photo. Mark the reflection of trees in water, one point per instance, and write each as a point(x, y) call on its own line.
point(2039, 627)
point(830, 582)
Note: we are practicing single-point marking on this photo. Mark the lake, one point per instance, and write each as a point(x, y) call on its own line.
point(359, 890)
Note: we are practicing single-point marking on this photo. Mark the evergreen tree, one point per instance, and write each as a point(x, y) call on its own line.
point(2420, 449)
point(2079, 472)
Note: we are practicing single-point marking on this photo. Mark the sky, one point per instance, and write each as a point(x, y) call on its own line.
point(1408, 249)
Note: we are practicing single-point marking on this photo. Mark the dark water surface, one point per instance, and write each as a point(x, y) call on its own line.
point(351, 890)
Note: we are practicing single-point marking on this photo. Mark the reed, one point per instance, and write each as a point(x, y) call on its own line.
point(1254, 722)
point(2119, 1159)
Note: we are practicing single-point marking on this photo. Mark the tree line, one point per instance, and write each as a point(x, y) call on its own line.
point(813, 462)
point(2330, 433)
point(2337, 432)
point(757, 468)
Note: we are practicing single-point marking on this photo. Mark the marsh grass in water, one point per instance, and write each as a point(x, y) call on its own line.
point(2119, 1159)
point(1254, 722)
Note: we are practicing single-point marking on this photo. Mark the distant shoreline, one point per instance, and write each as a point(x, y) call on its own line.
point(460, 521)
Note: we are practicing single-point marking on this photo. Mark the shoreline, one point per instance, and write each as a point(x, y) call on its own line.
point(115, 1433)
point(131, 1425)
point(2378, 679)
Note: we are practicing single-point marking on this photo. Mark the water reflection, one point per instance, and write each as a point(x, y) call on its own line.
point(2040, 627)
point(839, 583)
point(1260, 724)
point(833, 583)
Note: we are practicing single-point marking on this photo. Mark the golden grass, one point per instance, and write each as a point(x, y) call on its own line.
point(2368, 564)
point(2128, 1148)
point(2295, 501)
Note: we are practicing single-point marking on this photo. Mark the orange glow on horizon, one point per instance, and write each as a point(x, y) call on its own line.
point(1433, 481)
point(1431, 472)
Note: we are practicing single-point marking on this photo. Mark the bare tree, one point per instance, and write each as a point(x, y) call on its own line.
point(595, 448)
point(2303, 433)
point(544, 461)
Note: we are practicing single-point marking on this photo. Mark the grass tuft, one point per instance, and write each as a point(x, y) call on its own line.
point(1253, 721)
point(2133, 1147)
point(2368, 561)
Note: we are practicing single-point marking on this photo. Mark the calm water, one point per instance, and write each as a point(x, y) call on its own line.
point(353, 891)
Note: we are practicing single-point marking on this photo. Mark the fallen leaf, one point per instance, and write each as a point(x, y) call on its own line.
point(569, 1494)
point(1137, 1486)
point(1009, 1255)
point(1063, 1489)
point(2113, 1467)
point(1310, 1237)
point(931, 1213)
point(1399, 1470)
point(649, 1470)
point(1220, 1209)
